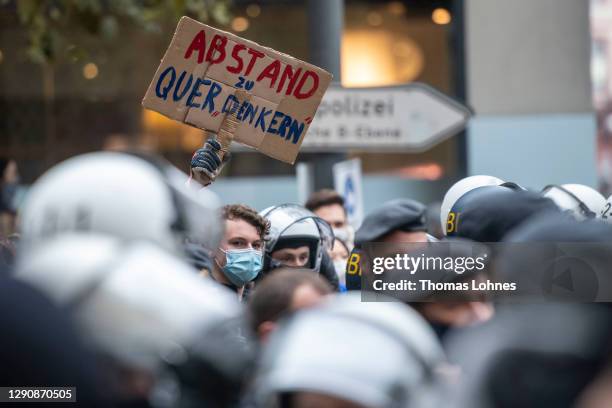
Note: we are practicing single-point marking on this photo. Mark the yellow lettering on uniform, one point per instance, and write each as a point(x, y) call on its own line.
point(353, 264)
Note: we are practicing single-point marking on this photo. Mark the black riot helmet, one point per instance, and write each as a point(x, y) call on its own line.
point(486, 214)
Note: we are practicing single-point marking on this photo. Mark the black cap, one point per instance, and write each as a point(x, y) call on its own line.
point(401, 214)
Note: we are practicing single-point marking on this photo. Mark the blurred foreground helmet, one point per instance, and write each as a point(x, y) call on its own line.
point(292, 226)
point(123, 196)
point(532, 355)
point(556, 257)
point(134, 302)
point(460, 188)
point(486, 214)
point(146, 311)
point(583, 202)
point(371, 354)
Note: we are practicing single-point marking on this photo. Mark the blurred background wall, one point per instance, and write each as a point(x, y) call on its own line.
point(528, 79)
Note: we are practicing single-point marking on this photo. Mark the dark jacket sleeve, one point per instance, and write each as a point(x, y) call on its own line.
point(328, 272)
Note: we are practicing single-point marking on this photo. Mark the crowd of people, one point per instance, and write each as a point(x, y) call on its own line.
point(129, 281)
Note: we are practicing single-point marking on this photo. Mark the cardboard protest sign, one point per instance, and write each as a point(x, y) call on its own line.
point(203, 69)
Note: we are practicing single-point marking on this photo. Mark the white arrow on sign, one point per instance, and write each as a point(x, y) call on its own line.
point(411, 117)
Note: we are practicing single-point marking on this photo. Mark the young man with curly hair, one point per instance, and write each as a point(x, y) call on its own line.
point(238, 259)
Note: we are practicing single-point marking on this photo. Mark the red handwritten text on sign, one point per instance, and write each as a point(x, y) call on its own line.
point(300, 83)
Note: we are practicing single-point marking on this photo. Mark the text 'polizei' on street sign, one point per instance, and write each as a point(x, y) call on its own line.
point(411, 117)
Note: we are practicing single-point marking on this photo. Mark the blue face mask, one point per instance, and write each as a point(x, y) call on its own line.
point(242, 265)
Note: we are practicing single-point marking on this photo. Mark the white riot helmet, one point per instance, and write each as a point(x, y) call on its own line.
point(292, 225)
point(133, 302)
point(123, 196)
point(606, 213)
point(583, 202)
point(372, 354)
point(461, 187)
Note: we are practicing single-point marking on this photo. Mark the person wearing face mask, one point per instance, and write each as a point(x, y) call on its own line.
point(329, 205)
point(339, 256)
point(238, 259)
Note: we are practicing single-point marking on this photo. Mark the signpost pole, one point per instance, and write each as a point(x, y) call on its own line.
point(325, 25)
point(458, 35)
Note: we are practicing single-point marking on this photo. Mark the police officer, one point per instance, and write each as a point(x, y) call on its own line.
point(583, 202)
point(396, 221)
point(139, 308)
point(556, 257)
point(532, 355)
point(486, 214)
point(115, 260)
point(121, 195)
point(460, 188)
point(298, 239)
point(549, 331)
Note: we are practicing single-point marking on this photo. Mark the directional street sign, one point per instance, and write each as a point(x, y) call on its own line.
point(411, 117)
point(347, 182)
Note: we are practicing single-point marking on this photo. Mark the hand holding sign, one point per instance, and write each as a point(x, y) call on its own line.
point(207, 162)
point(205, 70)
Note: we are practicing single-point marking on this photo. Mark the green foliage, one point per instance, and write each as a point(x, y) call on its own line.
point(55, 28)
